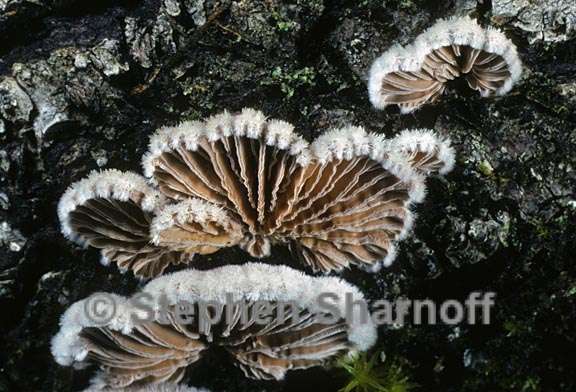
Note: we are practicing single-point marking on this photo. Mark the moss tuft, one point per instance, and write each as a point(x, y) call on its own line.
point(371, 375)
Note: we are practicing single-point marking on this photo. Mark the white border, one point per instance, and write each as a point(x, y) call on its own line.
point(456, 30)
point(107, 184)
point(99, 385)
point(192, 209)
point(249, 122)
point(251, 281)
point(343, 143)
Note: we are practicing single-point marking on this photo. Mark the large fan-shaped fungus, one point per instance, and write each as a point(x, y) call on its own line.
point(164, 387)
point(293, 334)
point(239, 179)
point(414, 75)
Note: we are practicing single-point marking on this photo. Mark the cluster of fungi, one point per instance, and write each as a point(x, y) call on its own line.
point(240, 179)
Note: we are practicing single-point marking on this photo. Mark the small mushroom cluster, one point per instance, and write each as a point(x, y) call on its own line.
point(140, 349)
point(417, 74)
point(240, 179)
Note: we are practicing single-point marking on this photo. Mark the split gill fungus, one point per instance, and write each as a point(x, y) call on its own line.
point(417, 74)
point(98, 385)
point(245, 180)
point(133, 350)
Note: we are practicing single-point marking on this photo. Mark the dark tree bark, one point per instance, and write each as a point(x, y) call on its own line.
point(84, 84)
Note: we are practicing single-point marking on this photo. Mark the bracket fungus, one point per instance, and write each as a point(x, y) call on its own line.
point(417, 74)
point(240, 179)
point(114, 211)
point(164, 387)
point(136, 350)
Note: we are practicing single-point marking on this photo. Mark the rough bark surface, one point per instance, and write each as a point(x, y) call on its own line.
point(84, 84)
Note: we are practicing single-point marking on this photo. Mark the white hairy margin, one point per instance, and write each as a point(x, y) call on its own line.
point(350, 142)
point(456, 30)
point(98, 384)
point(428, 141)
point(250, 281)
point(394, 156)
point(249, 122)
point(107, 184)
point(189, 210)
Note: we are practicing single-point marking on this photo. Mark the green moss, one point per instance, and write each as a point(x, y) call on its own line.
point(370, 375)
point(407, 4)
point(283, 24)
point(290, 81)
point(571, 292)
point(512, 327)
point(531, 385)
point(486, 168)
point(541, 228)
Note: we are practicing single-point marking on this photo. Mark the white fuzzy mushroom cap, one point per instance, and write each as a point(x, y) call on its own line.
point(453, 31)
point(189, 210)
point(395, 155)
point(106, 184)
point(249, 122)
point(98, 385)
point(350, 142)
point(427, 141)
point(250, 281)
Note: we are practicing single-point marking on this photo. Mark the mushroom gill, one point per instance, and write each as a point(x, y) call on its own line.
point(415, 75)
point(222, 308)
point(240, 179)
point(163, 387)
point(344, 199)
point(113, 211)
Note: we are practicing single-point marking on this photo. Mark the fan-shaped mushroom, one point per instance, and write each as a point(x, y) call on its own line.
point(164, 387)
point(113, 211)
point(298, 330)
point(414, 75)
point(239, 179)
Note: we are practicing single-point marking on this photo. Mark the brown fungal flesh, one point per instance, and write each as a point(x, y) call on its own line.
point(114, 212)
point(455, 48)
point(121, 229)
point(242, 180)
point(154, 353)
point(266, 319)
point(333, 214)
point(484, 72)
